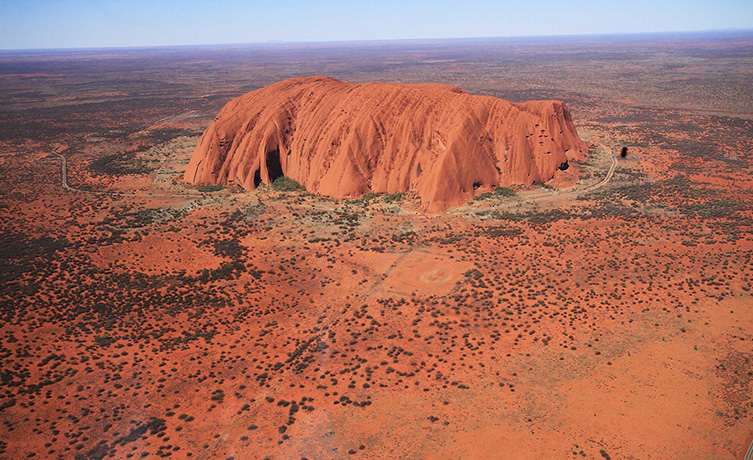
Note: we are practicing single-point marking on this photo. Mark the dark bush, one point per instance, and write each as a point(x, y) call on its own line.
point(286, 184)
point(209, 188)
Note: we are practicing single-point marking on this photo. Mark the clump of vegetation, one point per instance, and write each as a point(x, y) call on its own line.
point(209, 188)
point(120, 164)
point(346, 220)
point(372, 197)
point(286, 184)
point(547, 217)
point(218, 395)
point(366, 198)
point(155, 426)
point(226, 271)
point(248, 212)
point(499, 192)
point(161, 136)
point(473, 274)
point(504, 191)
point(394, 197)
point(502, 232)
point(228, 248)
point(140, 218)
point(104, 341)
point(501, 215)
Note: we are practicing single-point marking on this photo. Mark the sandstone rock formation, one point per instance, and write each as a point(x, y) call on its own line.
point(345, 139)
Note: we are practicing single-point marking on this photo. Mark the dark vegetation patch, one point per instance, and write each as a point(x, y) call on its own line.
point(368, 198)
point(209, 188)
point(161, 136)
point(126, 218)
point(246, 213)
point(154, 426)
point(499, 192)
point(502, 232)
point(229, 248)
point(21, 255)
point(120, 164)
point(286, 184)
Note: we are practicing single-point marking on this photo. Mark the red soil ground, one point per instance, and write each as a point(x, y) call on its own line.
point(556, 323)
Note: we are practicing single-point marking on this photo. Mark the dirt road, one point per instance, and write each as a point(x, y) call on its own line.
point(67, 186)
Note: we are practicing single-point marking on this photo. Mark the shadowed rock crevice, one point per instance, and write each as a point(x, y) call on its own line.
point(257, 178)
point(274, 166)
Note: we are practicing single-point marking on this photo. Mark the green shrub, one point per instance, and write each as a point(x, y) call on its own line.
point(120, 164)
point(392, 197)
point(504, 191)
point(104, 341)
point(209, 188)
point(286, 184)
point(499, 192)
point(366, 199)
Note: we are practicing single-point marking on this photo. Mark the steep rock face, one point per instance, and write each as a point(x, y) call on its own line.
point(344, 139)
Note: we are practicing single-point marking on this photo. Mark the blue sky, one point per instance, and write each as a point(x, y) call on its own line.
point(102, 23)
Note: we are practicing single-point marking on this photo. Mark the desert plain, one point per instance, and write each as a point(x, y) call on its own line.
point(604, 314)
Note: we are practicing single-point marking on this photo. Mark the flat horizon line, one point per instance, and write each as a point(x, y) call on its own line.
point(272, 43)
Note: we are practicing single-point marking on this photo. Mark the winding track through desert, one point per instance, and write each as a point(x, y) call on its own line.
point(67, 186)
point(609, 174)
point(528, 199)
point(574, 190)
point(749, 453)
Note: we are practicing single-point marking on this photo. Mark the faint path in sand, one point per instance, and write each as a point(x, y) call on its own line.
point(67, 186)
point(749, 453)
point(545, 195)
point(609, 174)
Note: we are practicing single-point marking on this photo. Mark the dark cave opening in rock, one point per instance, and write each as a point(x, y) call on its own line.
point(274, 166)
point(257, 178)
point(564, 166)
